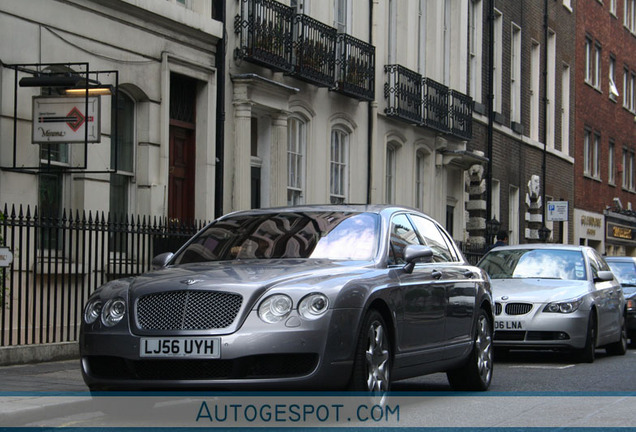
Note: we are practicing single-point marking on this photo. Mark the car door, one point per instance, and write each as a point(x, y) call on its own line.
point(423, 299)
point(460, 289)
point(607, 294)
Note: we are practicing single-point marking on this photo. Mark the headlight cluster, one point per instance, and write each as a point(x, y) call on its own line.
point(631, 305)
point(111, 312)
point(563, 307)
point(277, 307)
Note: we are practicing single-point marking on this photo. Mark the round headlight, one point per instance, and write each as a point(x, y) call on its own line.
point(114, 311)
point(92, 311)
point(313, 306)
point(275, 308)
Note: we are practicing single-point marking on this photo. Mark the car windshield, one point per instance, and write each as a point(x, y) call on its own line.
point(326, 235)
point(625, 271)
point(534, 263)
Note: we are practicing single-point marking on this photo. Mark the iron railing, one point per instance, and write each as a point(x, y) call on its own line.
point(426, 102)
point(355, 64)
point(59, 261)
point(314, 51)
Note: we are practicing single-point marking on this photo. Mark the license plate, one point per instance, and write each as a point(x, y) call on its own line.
point(509, 325)
point(180, 347)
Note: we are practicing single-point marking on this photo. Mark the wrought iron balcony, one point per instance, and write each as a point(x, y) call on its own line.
point(461, 115)
point(425, 102)
point(314, 54)
point(265, 29)
point(355, 68)
point(403, 90)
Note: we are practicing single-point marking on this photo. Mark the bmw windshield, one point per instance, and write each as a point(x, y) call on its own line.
point(534, 263)
point(317, 235)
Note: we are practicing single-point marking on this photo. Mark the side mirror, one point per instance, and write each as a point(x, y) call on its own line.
point(414, 253)
point(161, 260)
point(604, 276)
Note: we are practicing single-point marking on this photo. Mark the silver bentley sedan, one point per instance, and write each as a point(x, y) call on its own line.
point(313, 297)
point(556, 297)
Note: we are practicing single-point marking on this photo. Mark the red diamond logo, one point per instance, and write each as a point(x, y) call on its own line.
point(78, 119)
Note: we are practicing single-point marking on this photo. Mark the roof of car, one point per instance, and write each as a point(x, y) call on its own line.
point(355, 208)
point(620, 258)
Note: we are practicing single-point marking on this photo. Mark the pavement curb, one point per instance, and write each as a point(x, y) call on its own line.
point(23, 354)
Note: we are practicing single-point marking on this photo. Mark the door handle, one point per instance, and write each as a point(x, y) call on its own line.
point(436, 274)
point(469, 274)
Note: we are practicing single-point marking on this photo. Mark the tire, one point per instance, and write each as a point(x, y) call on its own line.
point(476, 374)
point(632, 339)
point(587, 354)
point(372, 362)
point(619, 348)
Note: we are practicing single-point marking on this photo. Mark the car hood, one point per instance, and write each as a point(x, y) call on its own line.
point(250, 278)
point(537, 290)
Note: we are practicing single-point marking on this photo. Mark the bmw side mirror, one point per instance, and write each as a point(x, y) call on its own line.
point(413, 253)
point(604, 276)
point(161, 260)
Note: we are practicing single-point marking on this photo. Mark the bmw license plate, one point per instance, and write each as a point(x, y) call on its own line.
point(509, 325)
point(180, 347)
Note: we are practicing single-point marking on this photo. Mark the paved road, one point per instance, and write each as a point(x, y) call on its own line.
point(529, 389)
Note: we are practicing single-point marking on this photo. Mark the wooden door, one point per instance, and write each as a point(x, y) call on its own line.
point(181, 177)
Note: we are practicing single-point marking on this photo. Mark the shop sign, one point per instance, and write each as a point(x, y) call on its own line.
point(64, 119)
point(620, 232)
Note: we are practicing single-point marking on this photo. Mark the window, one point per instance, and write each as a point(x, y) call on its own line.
point(628, 169)
point(420, 183)
point(624, 182)
point(513, 215)
point(515, 75)
point(495, 201)
point(596, 157)
point(551, 89)
point(296, 145)
point(613, 90)
point(611, 173)
point(498, 57)
point(433, 238)
point(629, 17)
point(122, 155)
point(341, 15)
point(402, 234)
point(535, 76)
point(592, 63)
point(587, 153)
point(612, 7)
point(421, 41)
point(392, 42)
point(626, 88)
point(339, 161)
point(51, 191)
point(391, 151)
point(565, 110)
point(476, 31)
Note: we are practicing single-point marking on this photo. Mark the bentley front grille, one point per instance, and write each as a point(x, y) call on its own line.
point(188, 310)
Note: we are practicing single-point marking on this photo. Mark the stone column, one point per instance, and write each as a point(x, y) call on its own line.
point(278, 160)
point(241, 177)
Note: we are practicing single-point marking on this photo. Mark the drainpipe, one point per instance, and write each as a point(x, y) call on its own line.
point(491, 113)
point(220, 117)
point(370, 115)
point(545, 111)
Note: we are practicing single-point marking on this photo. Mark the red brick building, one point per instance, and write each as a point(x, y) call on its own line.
point(605, 129)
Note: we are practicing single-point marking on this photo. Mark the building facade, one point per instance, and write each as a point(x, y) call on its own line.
point(605, 131)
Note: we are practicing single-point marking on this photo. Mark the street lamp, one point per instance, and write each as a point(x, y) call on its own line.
point(544, 233)
point(492, 228)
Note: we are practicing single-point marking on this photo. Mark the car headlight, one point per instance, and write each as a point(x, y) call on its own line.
point(563, 307)
point(313, 306)
point(275, 308)
point(92, 311)
point(114, 310)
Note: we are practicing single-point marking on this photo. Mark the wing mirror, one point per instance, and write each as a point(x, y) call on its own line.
point(413, 253)
point(161, 260)
point(604, 276)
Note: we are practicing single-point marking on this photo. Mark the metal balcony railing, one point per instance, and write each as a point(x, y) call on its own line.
point(355, 68)
point(403, 91)
point(265, 32)
point(425, 102)
point(314, 54)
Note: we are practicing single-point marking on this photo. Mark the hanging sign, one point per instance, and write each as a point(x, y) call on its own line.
point(64, 119)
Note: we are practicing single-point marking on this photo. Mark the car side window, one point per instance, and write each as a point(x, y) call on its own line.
point(401, 235)
point(433, 238)
point(594, 264)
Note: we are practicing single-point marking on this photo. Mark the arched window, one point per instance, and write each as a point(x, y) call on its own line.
point(296, 154)
point(339, 166)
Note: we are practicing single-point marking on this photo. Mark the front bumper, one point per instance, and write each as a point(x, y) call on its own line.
point(542, 330)
point(295, 354)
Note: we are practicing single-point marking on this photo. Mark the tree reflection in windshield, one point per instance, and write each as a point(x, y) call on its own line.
point(328, 235)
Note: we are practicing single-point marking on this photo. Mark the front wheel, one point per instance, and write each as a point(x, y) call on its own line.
point(476, 374)
point(587, 354)
point(372, 364)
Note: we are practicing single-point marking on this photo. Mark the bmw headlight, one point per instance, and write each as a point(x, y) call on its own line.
point(114, 310)
point(92, 311)
point(313, 306)
point(563, 307)
point(275, 308)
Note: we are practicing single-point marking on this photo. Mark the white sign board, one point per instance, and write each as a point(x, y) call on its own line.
point(63, 119)
point(6, 257)
point(558, 211)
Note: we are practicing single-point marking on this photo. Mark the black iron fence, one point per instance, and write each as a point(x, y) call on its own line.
point(59, 261)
